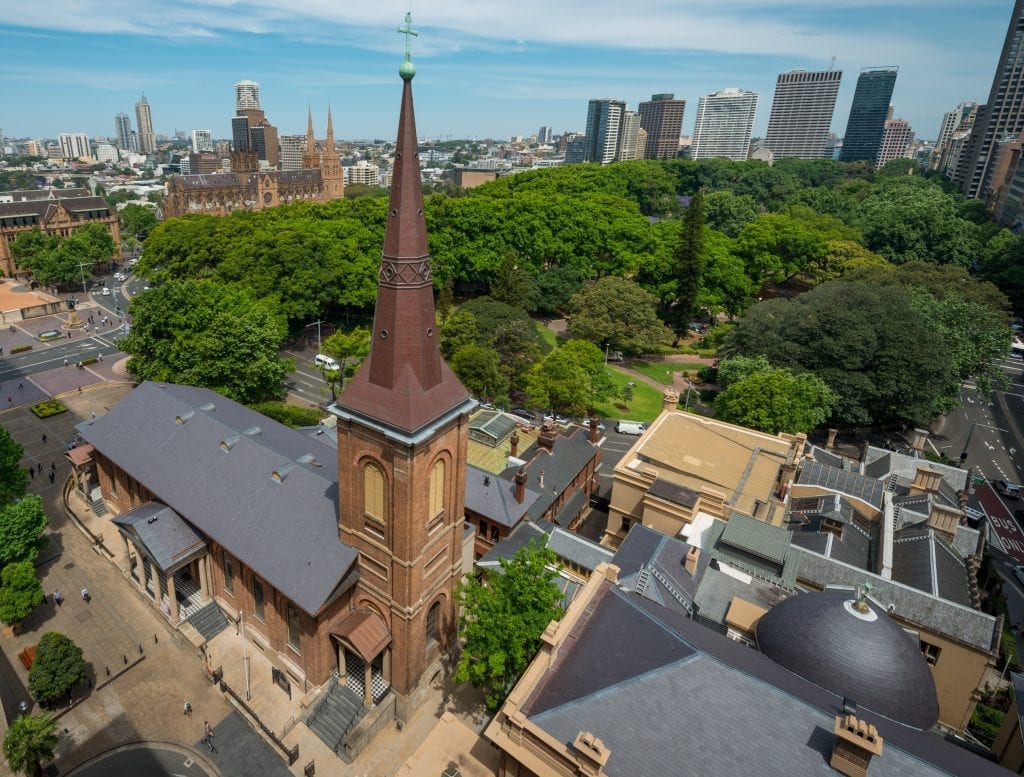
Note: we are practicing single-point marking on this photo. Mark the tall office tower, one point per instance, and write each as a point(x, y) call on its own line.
point(202, 140)
point(604, 122)
point(951, 121)
point(724, 122)
point(1001, 116)
point(661, 118)
point(544, 135)
point(144, 121)
point(954, 148)
point(868, 113)
point(293, 148)
point(629, 134)
point(802, 113)
point(74, 145)
point(247, 96)
point(896, 139)
point(123, 131)
point(34, 148)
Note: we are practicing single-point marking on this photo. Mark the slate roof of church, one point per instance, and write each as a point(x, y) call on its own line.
point(287, 531)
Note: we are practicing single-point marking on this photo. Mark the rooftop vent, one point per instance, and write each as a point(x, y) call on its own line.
point(279, 474)
point(230, 442)
point(209, 407)
point(181, 419)
point(253, 431)
point(306, 458)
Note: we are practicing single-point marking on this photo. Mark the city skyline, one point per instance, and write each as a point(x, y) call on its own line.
point(481, 76)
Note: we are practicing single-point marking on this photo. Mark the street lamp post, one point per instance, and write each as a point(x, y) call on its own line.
point(317, 324)
point(81, 269)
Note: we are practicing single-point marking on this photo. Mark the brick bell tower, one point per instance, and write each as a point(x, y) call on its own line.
point(402, 439)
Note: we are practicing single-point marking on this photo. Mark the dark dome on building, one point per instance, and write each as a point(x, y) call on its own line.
point(864, 656)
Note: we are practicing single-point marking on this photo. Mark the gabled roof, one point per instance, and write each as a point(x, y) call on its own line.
point(925, 561)
point(571, 454)
point(42, 209)
point(164, 534)
point(867, 489)
point(564, 544)
point(755, 547)
point(213, 461)
point(494, 497)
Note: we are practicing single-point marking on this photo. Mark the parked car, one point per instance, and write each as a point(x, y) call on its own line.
point(630, 427)
point(105, 291)
point(1009, 490)
point(558, 419)
point(522, 412)
point(322, 360)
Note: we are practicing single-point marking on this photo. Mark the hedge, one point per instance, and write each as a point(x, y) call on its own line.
point(48, 408)
point(21, 349)
point(289, 415)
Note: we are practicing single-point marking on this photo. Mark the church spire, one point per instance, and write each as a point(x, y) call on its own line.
point(404, 382)
point(330, 129)
point(309, 155)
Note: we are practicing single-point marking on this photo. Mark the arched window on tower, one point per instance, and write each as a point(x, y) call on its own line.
point(436, 490)
point(373, 491)
point(433, 624)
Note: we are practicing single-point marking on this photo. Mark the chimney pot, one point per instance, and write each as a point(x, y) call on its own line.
point(690, 562)
point(520, 481)
point(855, 745)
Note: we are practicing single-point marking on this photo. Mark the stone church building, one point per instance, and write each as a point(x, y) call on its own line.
point(345, 575)
point(247, 187)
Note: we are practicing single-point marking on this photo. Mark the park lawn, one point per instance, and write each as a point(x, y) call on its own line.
point(659, 370)
point(645, 405)
point(549, 336)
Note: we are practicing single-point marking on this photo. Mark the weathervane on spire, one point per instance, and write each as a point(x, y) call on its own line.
point(407, 70)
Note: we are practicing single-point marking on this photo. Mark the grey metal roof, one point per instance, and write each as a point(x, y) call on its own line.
point(637, 675)
point(869, 659)
point(923, 560)
point(756, 547)
point(865, 488)
point(40, 208)
point(165, 535)
point(717, 590)
point(47, 194)
point(287, 531)
point(494, 497)
point(579, 550)
point(673, 492)
point(881, 463)
point(757, 537)
point(653, 565)
point(826, 456)
point(911, 604)
point(519, 538)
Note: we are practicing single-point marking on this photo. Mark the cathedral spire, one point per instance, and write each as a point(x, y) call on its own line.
point(404, 382)
point(309, 155)
point(330, 128)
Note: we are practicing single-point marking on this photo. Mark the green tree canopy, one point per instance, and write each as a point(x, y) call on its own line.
point(872, 345)
point(459, 330)
point(776, 401)
point(57, 669)
point(729, 213)
point(22, 527)
point(204, 333)
point(20, 592)
point(502, 620)
point(690, 259)
point(480, 372)
point(618, 314)
point(136, 220)
point(13, 477)
point(348, 349)
point(570, 379)
point(30, 740)
point(99, 244)
point(32, 248)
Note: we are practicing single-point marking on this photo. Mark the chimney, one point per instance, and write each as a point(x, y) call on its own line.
point(593, 754)
point(690, 562)
point(541, 479)
point(917, 441)
point(514, 442)
point(520, 481)
point(669, 399)
point(856, 743)
point(546, 439)
point(832, 433)
point(593, 436)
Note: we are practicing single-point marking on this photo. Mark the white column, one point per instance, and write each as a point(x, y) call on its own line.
point(172, 596)
point(204, 578)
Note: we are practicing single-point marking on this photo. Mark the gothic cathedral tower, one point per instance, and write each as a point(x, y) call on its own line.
point(402, 439)
point(331, 174)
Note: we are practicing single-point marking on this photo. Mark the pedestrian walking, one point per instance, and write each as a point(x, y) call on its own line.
point(21, 386)
point(32, 473)
point(100, 357)
point(65, 362)
point(207, 728)
point(53, 466)
point(52, 476)
point(86, 596)
point(10, 400)
point(39, 468)
point(58, 598)
point(93, 415)
point(69, 335)
point(44, 439)
point(188, 708)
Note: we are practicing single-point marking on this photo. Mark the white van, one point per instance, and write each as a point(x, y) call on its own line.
point(322, 360)
point(630, 427)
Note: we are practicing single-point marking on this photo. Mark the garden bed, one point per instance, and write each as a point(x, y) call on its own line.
point(52, 334)
point(48, 408)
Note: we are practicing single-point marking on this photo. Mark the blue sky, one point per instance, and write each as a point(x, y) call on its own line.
point(485, 68)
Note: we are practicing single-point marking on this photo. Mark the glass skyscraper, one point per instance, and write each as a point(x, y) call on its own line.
point(866, 125)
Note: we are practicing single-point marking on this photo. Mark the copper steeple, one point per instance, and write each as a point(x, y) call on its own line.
point(404, 383)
